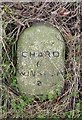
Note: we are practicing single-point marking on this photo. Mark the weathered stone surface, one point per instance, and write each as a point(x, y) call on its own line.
point(40, 60)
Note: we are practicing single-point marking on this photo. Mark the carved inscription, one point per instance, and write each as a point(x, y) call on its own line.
point(41, 54)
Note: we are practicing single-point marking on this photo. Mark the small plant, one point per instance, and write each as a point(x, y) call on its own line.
point(52, 96)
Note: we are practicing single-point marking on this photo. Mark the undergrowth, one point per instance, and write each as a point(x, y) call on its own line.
point(15, 18)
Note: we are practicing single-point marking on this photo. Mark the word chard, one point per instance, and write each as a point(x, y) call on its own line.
point(41, 54)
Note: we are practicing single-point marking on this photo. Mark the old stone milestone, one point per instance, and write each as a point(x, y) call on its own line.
point(40, 60)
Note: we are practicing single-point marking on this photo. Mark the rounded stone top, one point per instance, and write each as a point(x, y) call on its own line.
point(40, 60)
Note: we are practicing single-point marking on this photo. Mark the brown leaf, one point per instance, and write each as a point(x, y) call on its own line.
point(62, 11)
point(66, 13)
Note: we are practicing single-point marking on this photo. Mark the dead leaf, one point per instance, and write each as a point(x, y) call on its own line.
point(62, 11)
point(66, 13)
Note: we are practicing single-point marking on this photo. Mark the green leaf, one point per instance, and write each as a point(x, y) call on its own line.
point(52, 95)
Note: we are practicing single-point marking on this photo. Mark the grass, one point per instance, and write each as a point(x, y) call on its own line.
point(18, 16)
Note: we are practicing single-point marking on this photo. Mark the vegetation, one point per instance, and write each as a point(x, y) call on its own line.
point(15, 18)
